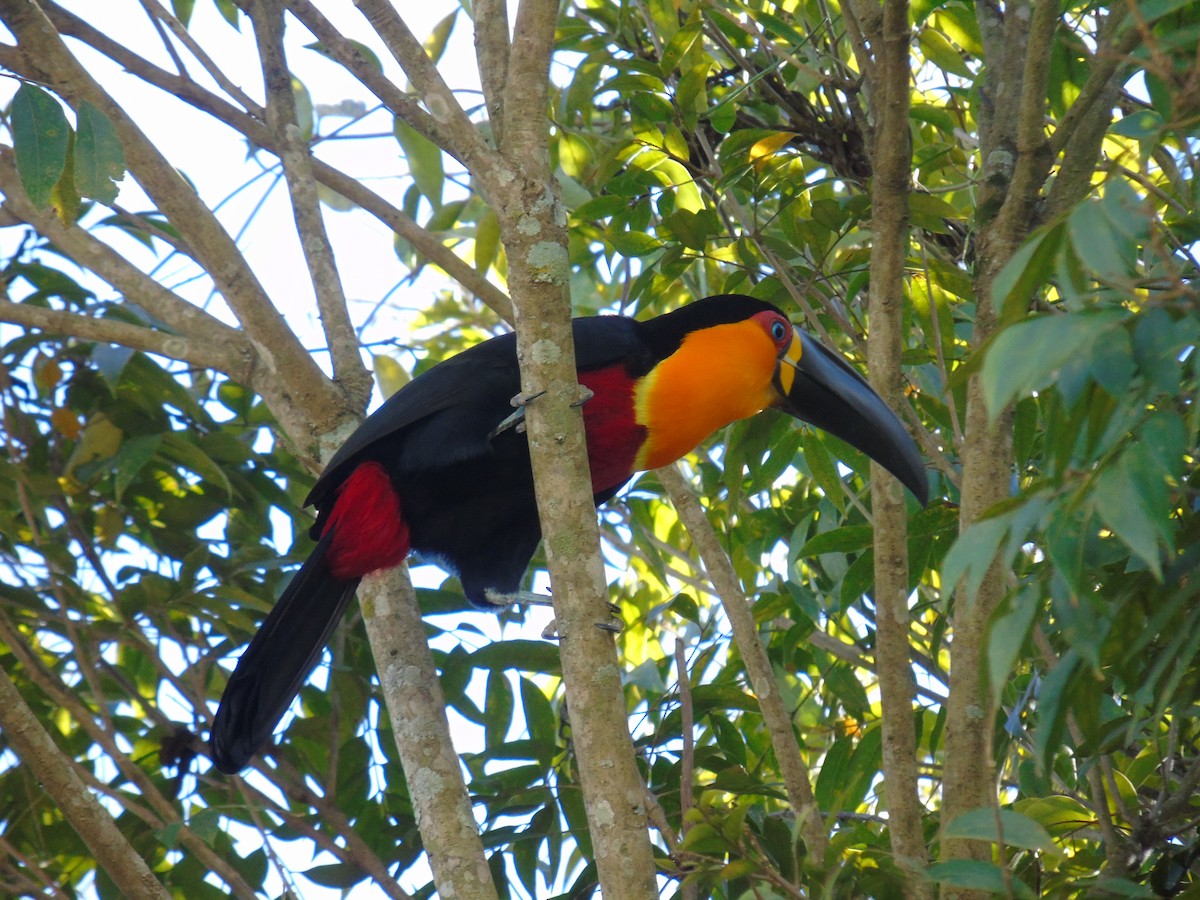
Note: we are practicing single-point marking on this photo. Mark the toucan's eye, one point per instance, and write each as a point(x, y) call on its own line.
point(779, 332)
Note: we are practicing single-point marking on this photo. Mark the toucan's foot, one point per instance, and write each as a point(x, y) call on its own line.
point(550, 632)
point(585, 394)
point(516, 598)
point(521, 400)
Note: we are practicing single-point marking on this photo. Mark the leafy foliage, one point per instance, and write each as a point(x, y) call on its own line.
point(146, 506)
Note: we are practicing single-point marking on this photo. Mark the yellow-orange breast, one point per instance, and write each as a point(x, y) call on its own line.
point(717, 376)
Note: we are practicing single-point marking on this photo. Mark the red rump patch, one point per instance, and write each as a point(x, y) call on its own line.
point(370, 532)
point(613, 434)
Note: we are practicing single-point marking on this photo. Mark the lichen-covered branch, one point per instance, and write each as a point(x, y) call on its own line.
point(417, 707)
point(891, 160)
point(492, 53)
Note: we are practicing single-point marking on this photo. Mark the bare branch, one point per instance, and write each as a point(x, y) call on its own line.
point(47, 59)
point(423, 240)
point(161, 812)
point(405, 106)
point(492, 53)
point(255, 131)
point(137, 287)
point(891, 160)
point(294, 154)
point(205, 354)
point(526, 92)
point(455, 133)
point(413, 694)
point(776, 718)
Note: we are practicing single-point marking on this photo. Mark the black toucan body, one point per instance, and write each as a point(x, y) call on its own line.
point(442, 467)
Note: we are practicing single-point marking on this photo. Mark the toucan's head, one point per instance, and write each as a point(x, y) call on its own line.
point(727, 357)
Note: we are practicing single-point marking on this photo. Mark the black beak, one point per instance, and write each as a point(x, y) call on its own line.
point(819, 387)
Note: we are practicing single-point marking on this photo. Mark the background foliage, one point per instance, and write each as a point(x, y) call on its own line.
point(701, 148)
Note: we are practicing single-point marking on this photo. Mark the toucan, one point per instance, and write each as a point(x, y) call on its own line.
point(442, 467)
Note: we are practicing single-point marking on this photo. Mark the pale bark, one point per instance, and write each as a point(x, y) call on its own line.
point(47, 59)
point(1015, 158)
point(891, 159)
point(413, 695)
point(58, 776)
point(296, 159)
point(518, 184)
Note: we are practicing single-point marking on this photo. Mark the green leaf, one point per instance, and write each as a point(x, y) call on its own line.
point(677, 48)
point(229, 12)
point(304, 109)
point(1054, 703)
point(435, 44)
point(634, 243)
point(183, 10)
point(1026, 356)
point(178, 448)
point(977, 875)
point(942, 53)
point(1028, 269)
point(1016, 830)
point(487, 241)
point(1007, 635)
point(847, 539)
point(498, 708)
point(1099, 245)
point(390, 376)
point(99, 156)
point(40, 135)
point(133, 456)
point(1131, 497)
point(424, 161)
point(972, 553)
point(1058, 814)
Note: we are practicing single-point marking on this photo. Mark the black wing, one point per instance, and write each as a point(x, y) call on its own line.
point(461, 401)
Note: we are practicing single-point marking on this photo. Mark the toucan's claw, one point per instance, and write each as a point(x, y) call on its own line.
point(522, 400)
point(516, 421)
point(585, 394)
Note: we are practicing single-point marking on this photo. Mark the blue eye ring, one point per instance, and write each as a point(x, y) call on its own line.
point(779, 331)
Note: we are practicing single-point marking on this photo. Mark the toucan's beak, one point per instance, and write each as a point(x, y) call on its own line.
point(819, 387)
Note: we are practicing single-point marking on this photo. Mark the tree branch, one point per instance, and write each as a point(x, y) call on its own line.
point(97, 257)
point(525, 102)
point(312, 397)
point(56, 773)
point(492, 54)
point(232, 360)
point(405, 106)
point(164, 813)
point(413, 694)
point(455, 133)
point(294, 155)
point(253, 129)
point(891, 160)
point(796, 781)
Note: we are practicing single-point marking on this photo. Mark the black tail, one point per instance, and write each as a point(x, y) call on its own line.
point(280, 657)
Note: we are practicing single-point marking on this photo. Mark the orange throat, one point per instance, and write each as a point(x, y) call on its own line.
point(717, 376)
